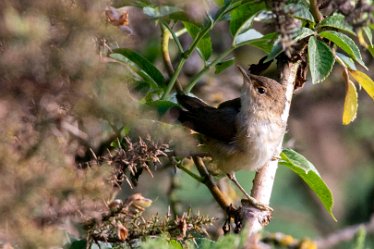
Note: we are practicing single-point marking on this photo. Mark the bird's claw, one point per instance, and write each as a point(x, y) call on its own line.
point(254, 203)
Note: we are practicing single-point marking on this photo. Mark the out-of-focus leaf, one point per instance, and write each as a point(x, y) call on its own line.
point(300, 11)
point(205, 44)
point(264, 42)
point(350, 103)
point(168, 12)
point(175, 244)
point(368, 34)
point(78, 244)
point(321, 59)
point(302, 33)
point(222, 65)
point(127, 55)
point(361, 39)
point(277, 47)
point(160, 11)
point(306, 170)
point(337, 21)
point(347, 61)
point(275, 51)
point(371, 50)
point(241, 17)
point(162, 106)
point(364, 80)
point(246, 36)
point(345, 43)
point(360, 238)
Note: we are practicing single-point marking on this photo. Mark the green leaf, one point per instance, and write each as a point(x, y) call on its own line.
point(160, 11)
point(275, 51)
point(241, 17)
point(302, 33)
point(345, 43)
point(77, 244)
point(162, 106)
point(306, 170)
point(205, 44)
point(127, 55)
point(321, 60)
point(337, 21)
point(371, 50)
point(167, 12)
point(222, 65)
point(277, 47)
point(263, 42)
point(347, 61)
point(368, 34)
point(300, 11)
point(175, 244)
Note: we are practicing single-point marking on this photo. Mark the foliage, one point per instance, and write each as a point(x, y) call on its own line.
point(321, 56)
point(71, 82)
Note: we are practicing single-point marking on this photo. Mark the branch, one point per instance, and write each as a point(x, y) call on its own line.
point(166, 55)
point(211, 185)
point(345, 234)
point(264, 179)
point(315, 10)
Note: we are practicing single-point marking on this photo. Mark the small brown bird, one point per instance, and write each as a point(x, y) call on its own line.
point(242, 133)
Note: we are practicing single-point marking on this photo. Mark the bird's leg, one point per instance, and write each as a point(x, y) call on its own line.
point(252, 200)
point(274, 158)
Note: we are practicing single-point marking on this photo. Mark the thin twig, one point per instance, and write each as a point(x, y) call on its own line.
point(345, 234)
point(166, 55)
point(315, 10)
point(197, 77)
point(211, 185)
point(190, 173)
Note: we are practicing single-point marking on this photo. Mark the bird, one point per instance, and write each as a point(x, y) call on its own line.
point(241, 133)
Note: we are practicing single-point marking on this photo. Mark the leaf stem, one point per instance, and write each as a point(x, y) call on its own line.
point(206, 68)
point(174, 77)
point(190, 173)
point(174, 35)
point(186, 54)
point(315, 11)
point(166, 55)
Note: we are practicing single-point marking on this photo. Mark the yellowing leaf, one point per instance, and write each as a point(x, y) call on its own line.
point(365, 81)
point(350, 103)
point(361, 38)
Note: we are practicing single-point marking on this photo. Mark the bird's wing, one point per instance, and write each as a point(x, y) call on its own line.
point(218, 123)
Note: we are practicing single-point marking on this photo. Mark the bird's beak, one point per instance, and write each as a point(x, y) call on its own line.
point(244, 73)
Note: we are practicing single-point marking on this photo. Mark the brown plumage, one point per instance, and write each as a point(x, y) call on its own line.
point(241, 133)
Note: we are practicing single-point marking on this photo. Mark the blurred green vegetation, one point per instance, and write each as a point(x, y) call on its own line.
point(60, 96)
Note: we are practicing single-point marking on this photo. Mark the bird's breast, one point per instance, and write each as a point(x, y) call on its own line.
point(254, 145)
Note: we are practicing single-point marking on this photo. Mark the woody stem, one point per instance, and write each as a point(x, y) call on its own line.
point(264, 179)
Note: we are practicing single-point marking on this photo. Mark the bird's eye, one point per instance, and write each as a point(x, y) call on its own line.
point(261, 90)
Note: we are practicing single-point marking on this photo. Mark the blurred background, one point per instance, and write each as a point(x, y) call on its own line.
point(61, 95)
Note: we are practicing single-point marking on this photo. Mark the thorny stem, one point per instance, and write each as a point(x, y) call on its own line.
point(315, 10)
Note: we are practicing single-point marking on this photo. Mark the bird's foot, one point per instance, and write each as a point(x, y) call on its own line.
point(252, 201)
point(256, 204)
point(274, 158)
